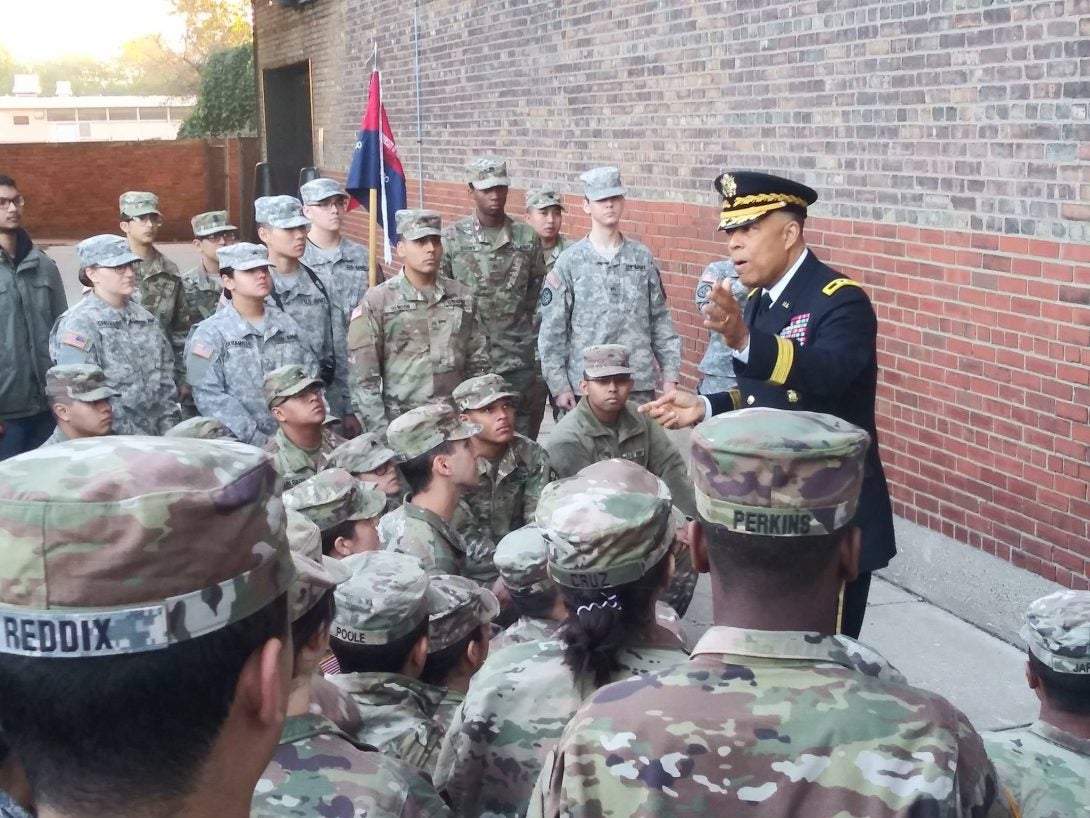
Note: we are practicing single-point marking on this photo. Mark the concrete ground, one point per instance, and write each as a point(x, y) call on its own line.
point(944, 614)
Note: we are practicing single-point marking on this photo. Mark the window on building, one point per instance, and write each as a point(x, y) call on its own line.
point(180, 113)
point(123, 114)
point(153, 114)
point(61, 115)
point(20, 119)
point(92, 114)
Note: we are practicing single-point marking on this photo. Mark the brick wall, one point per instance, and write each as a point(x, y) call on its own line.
point(950, 144)
point(72, 188)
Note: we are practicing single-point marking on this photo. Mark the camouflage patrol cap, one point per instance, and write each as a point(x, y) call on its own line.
point(604, 360)
point(280, 211)
point(486, 172)
point(778, 473)
point(602, 183)
point(1057, 631)
point(521, 558)
point(82, 382)
point(461, 607)
point(601, 538)
point(334, 496)
point(202, 428)
point(125, 544)
point(105, 250)
point(287, 381)
point(417, 224)
point(387, 597)
point(135, 203)
point(243, 256)
point(482, 391)
point(420, 430)
point(314, 573)
point(211, 223)
point(363, 453)
point(318, 190)
point(543, 197)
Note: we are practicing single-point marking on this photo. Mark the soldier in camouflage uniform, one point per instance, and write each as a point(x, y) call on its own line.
point(437, 462)
point(606, 289)
point(172, 602)
point(159, 287)
point(80, 400)
point(370, 461)
point(610, 553)
point(717, 365)
point(109, 329)
point(513, 470)
point(338, 260)
point(380, 639)
point(301, 292)
point(229, 354)
point(605, 425)
point(501, 261)
point(459, 629)
point(302, 444)
point(318, 769)
point(1045, 767)
point(776, 716)
point(202, 285)
point(414, 338)
point(545, 214)
point(201, 428)
point(522, 562)
point(345, 510)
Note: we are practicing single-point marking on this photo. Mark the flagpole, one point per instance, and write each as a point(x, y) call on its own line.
point(372, 205)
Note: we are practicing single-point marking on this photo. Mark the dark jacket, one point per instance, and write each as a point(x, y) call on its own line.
point(31, 299)
point(815, 350)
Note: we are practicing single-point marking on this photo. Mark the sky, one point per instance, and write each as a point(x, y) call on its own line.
point(38, 30)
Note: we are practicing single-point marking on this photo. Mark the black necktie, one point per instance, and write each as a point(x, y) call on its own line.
point(763, 306)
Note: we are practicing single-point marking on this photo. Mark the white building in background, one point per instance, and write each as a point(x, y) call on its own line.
point(26, 116)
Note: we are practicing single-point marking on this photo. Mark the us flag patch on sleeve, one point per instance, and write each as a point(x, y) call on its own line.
point(74, 339)
point(202, 350)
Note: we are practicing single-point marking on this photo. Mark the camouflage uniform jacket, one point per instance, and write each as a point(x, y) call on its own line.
point(444, 714)
point(553, 253)
point(422, 533)
point(316, 317)
point(227, 359)
point(344, 268)
point(580, 439)
point(31, 300)
point(515, 710)
point(406, 349)
point(1046, 770)
point(202, 293)
point(318, 770)
point(332, 703)
point(505, 277)
point(57, 437)
point(589, 300)
point(770, 724)
point(9, 808)
point(398, 714)
point(294, 464)
point(504, 499)
point(717, 365)
point(159, 290)
point(130, 348)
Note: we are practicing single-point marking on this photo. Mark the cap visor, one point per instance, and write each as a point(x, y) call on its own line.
point(119, 260)
point(295, 389)
point(343, 193)
point(225, 228)
point(413, 235)
point(490, 604)
point(488, 184)
point(608, 193)
point(464, 430)
point(480, 404)
point(101, 393)
point(606, 371)
point(132, 212)
point(294, 221)
point(250, 264)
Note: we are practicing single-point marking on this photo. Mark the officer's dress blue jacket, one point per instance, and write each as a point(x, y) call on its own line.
point(815, 350)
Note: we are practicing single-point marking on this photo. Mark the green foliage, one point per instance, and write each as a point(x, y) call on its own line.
point(227, 103)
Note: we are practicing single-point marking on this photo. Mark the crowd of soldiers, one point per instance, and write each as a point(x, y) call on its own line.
point(276, 542)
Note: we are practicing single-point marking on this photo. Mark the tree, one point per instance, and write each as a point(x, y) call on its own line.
point(212, 26)
point(227, 103)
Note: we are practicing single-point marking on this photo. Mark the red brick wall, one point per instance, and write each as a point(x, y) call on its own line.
point(72, 188)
